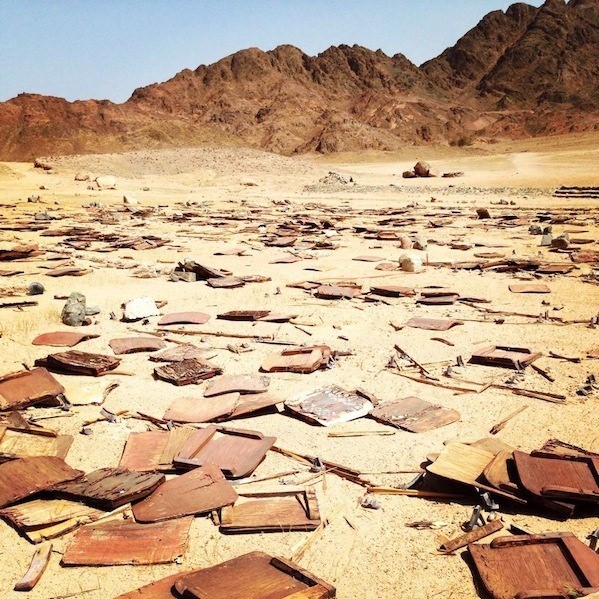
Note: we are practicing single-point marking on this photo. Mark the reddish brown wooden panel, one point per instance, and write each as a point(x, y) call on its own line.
point(254, 575)
point(62, 338)
point(414, 414)
point(132, 345)
point(22, 478)
point(109, 488)
point(554, 563)
point(199, 491)
point(120, 542)
point(28, 387)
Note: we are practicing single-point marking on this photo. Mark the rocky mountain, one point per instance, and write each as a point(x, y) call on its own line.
point(526, 71)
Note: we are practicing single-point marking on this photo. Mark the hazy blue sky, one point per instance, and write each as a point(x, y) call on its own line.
point(82, 49)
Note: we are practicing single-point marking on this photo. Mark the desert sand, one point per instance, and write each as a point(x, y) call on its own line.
point(363, 553)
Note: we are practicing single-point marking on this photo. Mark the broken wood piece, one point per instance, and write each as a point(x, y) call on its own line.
point(40, 560)
point(133, 345)
point(78, 362)
point(63, 338)
point(499, 426)
point(28, 387)
point(414, 414)
point(187, 372)
point(470, 537)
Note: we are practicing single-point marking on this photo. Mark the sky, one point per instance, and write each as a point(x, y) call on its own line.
point(104, 49)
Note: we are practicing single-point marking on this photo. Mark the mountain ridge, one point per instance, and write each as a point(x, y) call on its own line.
point(521, 72)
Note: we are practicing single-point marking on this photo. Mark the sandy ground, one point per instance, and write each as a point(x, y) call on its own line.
point(364, 553)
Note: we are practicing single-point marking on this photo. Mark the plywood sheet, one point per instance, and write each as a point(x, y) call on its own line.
point(196, 492)
point(120, 542)
point(237, 452)
point(505, 357)
point(25, 477)
point(184, 318)
point(572, 478)
point(414, 414)
point(542, 565)
point(24, 443)
point(132, 345)
point(257, 576)
point(63, 338)
point(276, 511)
point(432, 324)
point(237, 383)
point(110, 488)
point(28, 387)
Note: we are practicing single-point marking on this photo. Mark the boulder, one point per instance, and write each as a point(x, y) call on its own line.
point(422, 169)
point(43, 164)
point(139, 308)
point(74, 312)
point(106, 182)
point(82, 177)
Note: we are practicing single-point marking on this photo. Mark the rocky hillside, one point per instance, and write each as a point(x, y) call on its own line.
point(526, 71)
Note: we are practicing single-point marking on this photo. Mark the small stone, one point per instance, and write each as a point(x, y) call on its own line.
point(369, 502)
point(546, 240)
point(405, 242)
point(35, 289)
point(410, 263)
point(535, 230)
point(409, 175)
point(92, 310)
point(130, 200)
point(482, 213)
point(420, 244)
point(82, 177)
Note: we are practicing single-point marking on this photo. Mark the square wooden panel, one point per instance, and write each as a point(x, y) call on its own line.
point(120, 542)
point(236, 452)
point(28, 387)
point(536, 566)
point(414, 414)
point(272, 511)
point(504, 357)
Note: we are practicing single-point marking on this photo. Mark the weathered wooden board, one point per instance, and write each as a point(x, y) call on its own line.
point(187, 372)
point(238, 383)
point(63, 338)
point(153, 450)
point(328, 405)
point(572, 478)
point(78, 362)
point(159, 589)
point(432, 324)
point(275, 511)
point(236, 452)
point(529, 288)
point(504, 357)
point(300, 362)
point(534, 566)
point(28, 387)
point(466, 464)
point(414, 414)
point(21, 478)
point(23, 443)
point(257, 576)
point(184, 318)
point(109, 488)
point(196, 492)
point(120, 542)
point(132, 345)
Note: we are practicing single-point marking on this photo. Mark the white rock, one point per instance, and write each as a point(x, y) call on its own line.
point(410, 263)
point(130, 200)
point(140, 307)
point(106, 182)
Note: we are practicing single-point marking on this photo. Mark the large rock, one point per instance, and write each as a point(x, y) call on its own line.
point(106, 182)
point(74, 311)
point(139, 308)
point(422, 169)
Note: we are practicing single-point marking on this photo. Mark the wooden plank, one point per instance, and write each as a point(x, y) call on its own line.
point(275, 511)
point(120, 542)
point(40, 560)
point(470, 537)
point(24, 443)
